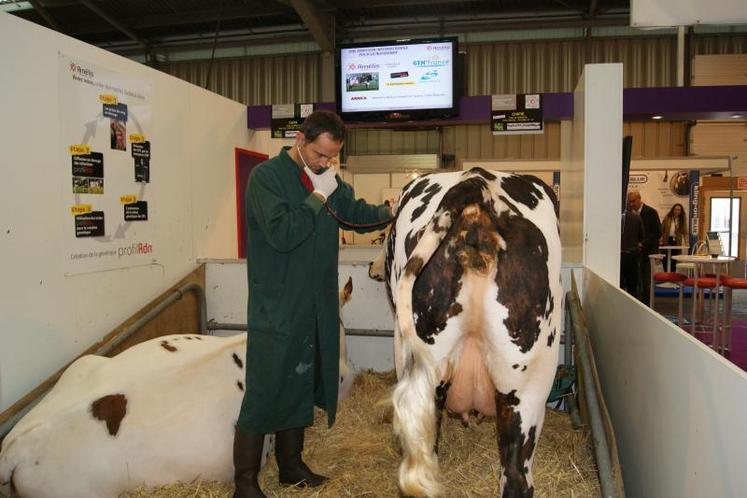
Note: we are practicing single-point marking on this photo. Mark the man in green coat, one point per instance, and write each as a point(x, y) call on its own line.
point(292, 357)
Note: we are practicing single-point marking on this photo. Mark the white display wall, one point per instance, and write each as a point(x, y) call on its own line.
point(47, 317)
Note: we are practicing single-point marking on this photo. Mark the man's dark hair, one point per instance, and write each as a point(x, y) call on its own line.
point(323, 121)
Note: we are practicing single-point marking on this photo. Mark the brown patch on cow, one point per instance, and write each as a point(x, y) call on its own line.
point(522, 278)
point(514, 447)
point(413, 266)
point(188, 338)
point(198, 337)
point(348, 289)
point(240, 384)
point(411, 241)
point(237, 360)
point(168, 347)
point(110, 409)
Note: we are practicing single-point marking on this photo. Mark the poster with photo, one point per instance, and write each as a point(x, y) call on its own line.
point(103, 115)
point(663, 189)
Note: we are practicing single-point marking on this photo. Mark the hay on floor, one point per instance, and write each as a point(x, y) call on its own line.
point(361, 456)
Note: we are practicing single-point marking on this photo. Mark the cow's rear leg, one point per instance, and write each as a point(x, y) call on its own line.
point(415, 425)
point(519, 425)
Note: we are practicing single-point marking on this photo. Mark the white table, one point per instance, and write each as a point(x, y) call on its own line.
point(669, 250)
point(719, 264)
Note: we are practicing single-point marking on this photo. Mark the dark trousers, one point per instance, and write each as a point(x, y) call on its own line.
point(645, 273)
point(630, 272)
point(675, 252)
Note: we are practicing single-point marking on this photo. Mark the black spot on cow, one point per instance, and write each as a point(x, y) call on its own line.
point(417, 190)
point(198, 337)
point(524, 368)
point(550, 308)
point(189, 338)
point(515, 366)
point(515, 447)
point(522, 278)
point(521, 189)
point(429, 193)
point(549, 192)
point(551, 337)
point(168, 347)
point(237, 360)
point(411, 241)
point(240, 384)
point(110, 409)
point(510, 205)
point(483, 173)
point(36, 462)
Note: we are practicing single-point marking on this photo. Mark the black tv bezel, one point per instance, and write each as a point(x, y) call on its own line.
point(401, 115)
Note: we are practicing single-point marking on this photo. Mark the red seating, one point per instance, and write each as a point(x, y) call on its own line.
point(662, 277)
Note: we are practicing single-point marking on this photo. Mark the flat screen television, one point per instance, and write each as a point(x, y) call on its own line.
point(400, 80)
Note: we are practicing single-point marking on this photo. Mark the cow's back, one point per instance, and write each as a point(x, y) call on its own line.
point(160, 411)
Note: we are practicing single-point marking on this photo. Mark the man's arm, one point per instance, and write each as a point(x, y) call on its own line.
point(358, 211)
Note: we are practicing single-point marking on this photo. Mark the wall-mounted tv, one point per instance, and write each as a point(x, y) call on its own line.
point(398, 80)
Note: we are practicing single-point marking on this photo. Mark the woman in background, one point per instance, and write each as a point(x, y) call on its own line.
point(674, 230)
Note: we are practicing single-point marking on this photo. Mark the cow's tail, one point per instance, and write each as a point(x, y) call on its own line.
point(414, 396)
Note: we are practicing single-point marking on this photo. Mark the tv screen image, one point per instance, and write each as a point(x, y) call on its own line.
point(405, 79)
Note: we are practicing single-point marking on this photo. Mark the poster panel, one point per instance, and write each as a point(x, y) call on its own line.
point(105, 151)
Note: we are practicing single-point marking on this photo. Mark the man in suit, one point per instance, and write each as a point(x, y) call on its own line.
point(652, 229)
point(631, 241)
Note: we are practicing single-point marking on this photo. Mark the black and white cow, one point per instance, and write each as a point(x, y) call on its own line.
point(472, 267)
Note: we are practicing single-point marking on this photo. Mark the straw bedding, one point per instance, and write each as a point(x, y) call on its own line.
point(361, 456)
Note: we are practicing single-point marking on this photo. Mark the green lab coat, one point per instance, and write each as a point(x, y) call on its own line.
point(293, 345)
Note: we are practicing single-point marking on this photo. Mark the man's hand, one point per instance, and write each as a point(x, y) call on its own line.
point(324, 184)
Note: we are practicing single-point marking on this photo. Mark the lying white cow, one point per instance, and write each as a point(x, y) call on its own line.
point(162, 411)
point(472, 266)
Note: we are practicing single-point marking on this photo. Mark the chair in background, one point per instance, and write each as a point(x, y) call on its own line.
point(729, 284)
point(670, 278)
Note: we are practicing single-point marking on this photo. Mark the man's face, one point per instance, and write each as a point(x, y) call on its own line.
point(320, 152)
point(634, 203)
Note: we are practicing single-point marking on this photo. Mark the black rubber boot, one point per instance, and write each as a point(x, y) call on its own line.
point(247, 456)
point(291, 469)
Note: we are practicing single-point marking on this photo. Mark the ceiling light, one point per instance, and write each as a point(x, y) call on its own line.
point(656, 117)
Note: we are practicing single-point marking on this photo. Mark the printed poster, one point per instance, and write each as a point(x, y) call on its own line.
point(106, 153)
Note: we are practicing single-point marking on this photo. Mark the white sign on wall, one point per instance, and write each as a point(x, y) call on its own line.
point(105, 153)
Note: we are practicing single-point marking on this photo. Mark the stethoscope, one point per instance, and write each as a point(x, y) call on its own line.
point(346, 224)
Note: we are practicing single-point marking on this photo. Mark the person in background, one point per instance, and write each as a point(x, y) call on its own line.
point(674, 230)
point(652, 230)
point(293, 346)
point(631, 241)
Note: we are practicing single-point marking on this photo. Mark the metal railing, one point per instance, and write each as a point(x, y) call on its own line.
point(577, 325)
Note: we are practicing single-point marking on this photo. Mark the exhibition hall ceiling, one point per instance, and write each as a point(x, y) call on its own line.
point(156, 27)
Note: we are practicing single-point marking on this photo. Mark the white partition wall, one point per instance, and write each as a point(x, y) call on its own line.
point(49, 315)
point(677, 407)
point(592, 179)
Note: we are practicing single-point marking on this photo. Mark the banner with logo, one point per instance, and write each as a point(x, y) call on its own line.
point(105, 151)
point(516, 114)
point(287, 119)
